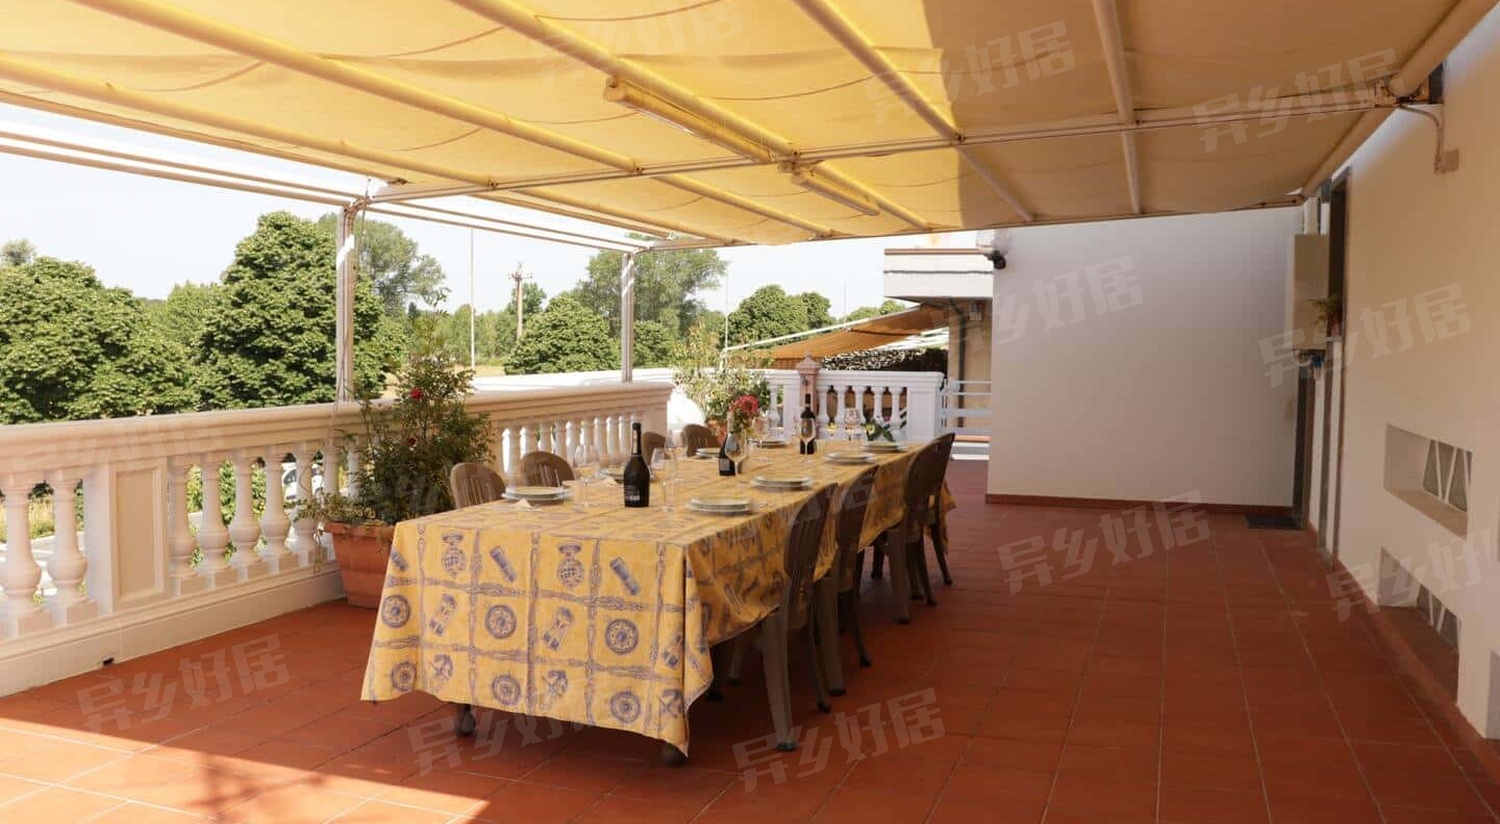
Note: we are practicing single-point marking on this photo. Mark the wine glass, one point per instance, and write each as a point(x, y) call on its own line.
point(735, 449)
point(586, 468)
point(852, 425)
point(664, 467)
point(807, 432)
point(760, 429)
point(674, 443)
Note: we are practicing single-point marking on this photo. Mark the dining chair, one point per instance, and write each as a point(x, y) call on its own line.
point(905, 543)
point(838, 591)
point(474, 483)
point(544, 469)
point(794, 612)
point(650, 442)
point(697, 436)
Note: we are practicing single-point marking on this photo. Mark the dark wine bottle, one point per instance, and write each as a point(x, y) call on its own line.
point(810, 447)
point(726, 463)
point(637, 477)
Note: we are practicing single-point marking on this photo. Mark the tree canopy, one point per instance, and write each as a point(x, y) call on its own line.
point(401, 275)
point(652, 345)
point(768, 312)
point(268, 339)
point(17, 253)
point(817, 310)
point(566, 337)
point(72, 349)
point(889, 307)
point(666, 286)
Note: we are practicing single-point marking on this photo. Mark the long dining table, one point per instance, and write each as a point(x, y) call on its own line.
point(600, 614)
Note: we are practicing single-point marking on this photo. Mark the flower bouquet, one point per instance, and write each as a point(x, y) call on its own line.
point(878, 430)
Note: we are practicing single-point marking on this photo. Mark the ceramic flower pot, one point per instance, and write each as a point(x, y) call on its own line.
point(362, 552)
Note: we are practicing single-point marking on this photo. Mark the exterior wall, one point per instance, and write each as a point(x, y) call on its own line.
point(1412, 231)
point(1158, 391)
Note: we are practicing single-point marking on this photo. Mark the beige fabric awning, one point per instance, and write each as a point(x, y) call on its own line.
point(869, 334)
point(756, 121)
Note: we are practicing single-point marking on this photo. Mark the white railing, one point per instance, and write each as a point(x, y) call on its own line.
point(886, 395)
point(141, 566)
point(966, 408)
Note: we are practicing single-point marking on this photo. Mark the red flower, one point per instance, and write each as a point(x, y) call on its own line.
point(747, 405)
point(416, 394)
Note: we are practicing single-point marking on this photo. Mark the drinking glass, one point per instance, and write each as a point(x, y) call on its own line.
point(586, 469)
point(664, 467)
point(760, 429)
point(807, 432)
point(735, 448)
point(852, 425)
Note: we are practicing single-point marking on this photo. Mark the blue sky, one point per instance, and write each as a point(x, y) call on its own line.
point(147, 235)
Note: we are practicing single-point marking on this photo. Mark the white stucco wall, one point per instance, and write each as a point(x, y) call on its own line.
point(1166, 394)
point(1412, 231)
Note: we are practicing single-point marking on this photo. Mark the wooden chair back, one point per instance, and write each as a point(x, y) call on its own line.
point(474, 483)
point(544, 469)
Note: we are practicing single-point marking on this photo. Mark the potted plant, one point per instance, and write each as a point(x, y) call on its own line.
point(410, 444)
point(1330, 314)
point(878, 430)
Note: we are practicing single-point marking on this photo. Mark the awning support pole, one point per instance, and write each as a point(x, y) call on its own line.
point(344, 301)
point(627, 315)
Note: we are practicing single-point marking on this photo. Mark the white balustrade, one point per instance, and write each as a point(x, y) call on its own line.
point(244, 529)
point(882, 394)
point(274, 523)
point(68, 566)
point(21, 575)
point(139, 546)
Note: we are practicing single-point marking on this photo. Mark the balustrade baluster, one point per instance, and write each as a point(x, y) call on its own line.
point(352, 459)
point(244, 530)
point(213, 536)
point(274, 523)
point(68, 566)
point(180, 540)
point(303, 525)
point(21, 576)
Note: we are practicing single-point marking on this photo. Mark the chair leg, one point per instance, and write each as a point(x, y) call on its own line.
point(900, 580)
point(859, 568)
point(736, 659)
point(773, 648)
point(940, 549)
point(826, 606)
point(917, 552)
point(851, 609)
point(810, 634)
point(877, 570)
point(719, 657)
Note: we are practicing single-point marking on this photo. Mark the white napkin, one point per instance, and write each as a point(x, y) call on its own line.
point(607, 481)
point(522, 504)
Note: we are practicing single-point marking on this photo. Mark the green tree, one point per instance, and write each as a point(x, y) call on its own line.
point(817, 310)
point(889, 307)
point(268, 339)
point(402, 276)
point(652, 345)
point(666, 283)
point(17, 253)
point(181, 319)
point(72, 349)
point(566, 337)
point(768, 312)
point(532, 300)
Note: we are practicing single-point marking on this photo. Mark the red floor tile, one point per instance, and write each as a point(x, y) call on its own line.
point(1197, 685)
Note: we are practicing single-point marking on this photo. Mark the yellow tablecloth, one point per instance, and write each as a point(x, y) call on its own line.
point(603, 616)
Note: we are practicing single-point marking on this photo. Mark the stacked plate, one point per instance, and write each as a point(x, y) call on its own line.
point(720, 505)
point(707, 453)
point(850, 457)
point(782, 481)
point(537, 494)
point(774, 443)
point(883, 446)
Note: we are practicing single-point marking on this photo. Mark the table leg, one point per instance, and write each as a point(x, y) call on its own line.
point(826, 603)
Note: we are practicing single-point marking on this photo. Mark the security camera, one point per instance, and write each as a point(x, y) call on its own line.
point(995, 245)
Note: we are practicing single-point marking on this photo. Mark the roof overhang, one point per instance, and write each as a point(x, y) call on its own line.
point(869, 334)
point(759, 121)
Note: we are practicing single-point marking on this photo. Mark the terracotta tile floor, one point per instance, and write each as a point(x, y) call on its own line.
point(1209, 683)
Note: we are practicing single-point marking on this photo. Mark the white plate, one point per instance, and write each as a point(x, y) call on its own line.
point(850, 458)
point(711, 510)
point(721, 502)
point(782, 481)
point(707, 454)
point(882, 446)
point(537, 493)
point(774, 443)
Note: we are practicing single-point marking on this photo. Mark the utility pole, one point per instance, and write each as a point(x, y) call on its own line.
point(473, 307)
point(519, 277)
